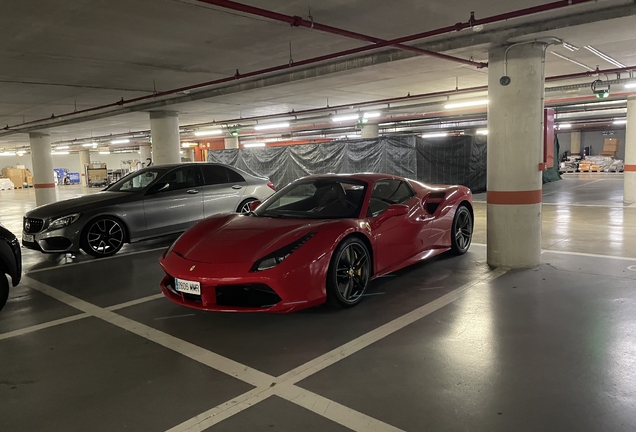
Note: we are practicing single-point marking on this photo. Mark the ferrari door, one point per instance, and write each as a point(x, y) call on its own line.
point(223, 189)
point(175, 202)
point(396, 237)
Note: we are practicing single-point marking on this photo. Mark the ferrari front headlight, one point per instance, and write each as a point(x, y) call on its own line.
point(278, 256)
point(63, 221)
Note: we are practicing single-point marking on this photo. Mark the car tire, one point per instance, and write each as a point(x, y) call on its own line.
point(4, 290)
point(462, 232)
point(103, 237)
point(243, 208)
point(349, 273)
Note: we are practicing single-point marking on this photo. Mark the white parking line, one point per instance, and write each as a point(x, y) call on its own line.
point(584, 254)
point(96, 260)
point(195, 352)
point(284, 387)
point(135, 302)
point(334, 411)
point(265, 384)
point(42, 326)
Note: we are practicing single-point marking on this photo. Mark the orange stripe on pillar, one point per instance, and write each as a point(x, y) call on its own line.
point(630, 167)
point(514, 197)
point(44, 185)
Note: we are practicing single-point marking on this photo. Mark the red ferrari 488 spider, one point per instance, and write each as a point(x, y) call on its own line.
point(321, 238)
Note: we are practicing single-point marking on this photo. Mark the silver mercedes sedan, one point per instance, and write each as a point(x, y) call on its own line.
point(151, 202)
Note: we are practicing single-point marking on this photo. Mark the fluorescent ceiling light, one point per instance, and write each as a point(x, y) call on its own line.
point(584, 66)
point(368, 115)
point(254, 145)
point(482, 131)
point(630, 85)
point(435, 135)
point(620, 122)
point(345, 118)
point(104, 152)
point(92, 144)
point(604, 56)
point(564, 125)
point(466, 104)
point(569, 46)
point(271, 126)
point(188, 144)
point(120, 141)
point(62, 148)
point(6, 153)
point(59, 153)
point(209, 132)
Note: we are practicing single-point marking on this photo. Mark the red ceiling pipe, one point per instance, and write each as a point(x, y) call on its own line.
point(296, 21)
point(457, 27)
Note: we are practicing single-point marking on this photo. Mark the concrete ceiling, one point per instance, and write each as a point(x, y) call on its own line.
point(56, 57)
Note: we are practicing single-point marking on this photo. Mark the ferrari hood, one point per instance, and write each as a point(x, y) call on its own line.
point(237, 238)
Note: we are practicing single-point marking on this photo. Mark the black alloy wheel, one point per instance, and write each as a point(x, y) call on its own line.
point(4, 290)
point(103, 237)
point(244, 207)
point(462, 232)
point(349, 273)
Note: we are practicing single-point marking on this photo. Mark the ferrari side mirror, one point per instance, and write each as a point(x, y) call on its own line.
point(397, 210)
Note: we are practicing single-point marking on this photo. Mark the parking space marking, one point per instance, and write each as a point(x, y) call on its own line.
point(334, 411)
point(96, 260)
point(194, 352)
point(265, 384)
point(135, 302)
point(42, 326)
point(224, 411)
point(590, 255)
point(284, 385)
point(361, 342)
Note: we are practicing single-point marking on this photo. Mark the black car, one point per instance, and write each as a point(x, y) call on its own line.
point(10, 263)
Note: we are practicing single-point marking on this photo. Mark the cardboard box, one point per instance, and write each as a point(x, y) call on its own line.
point(611, 144)
point(611, 154)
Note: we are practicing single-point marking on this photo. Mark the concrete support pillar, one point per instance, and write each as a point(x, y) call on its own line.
point(43, 177)
point(575, 143)
point(370, 130)
point(629, 194)
point(515, 150)
point(232, 142)
point(85, 159)
point(164, 129)
point(144, 154)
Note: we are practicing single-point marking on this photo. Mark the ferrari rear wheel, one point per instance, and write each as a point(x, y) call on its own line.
point(462, 232)
point(349, 273)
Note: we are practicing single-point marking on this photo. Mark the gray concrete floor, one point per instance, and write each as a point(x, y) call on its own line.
point(445, 345)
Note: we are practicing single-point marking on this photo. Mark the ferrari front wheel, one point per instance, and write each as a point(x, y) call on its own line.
point(462, 232)
point(349, 273)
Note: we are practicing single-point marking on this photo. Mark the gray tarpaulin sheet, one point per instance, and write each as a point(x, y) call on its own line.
point(451, 160)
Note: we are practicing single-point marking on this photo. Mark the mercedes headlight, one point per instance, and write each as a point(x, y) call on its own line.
point(278, 256)
point(63, 221)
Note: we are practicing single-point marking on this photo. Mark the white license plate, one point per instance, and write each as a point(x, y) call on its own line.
point(188, 287)
point(27, 238)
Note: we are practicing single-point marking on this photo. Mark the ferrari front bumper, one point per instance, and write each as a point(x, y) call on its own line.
point(233, 288)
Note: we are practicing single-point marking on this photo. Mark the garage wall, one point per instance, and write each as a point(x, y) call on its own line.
point(71, 161)
point(595, 140)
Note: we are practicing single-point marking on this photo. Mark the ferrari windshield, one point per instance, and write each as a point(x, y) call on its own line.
point(316, 198)
point(135, 181)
